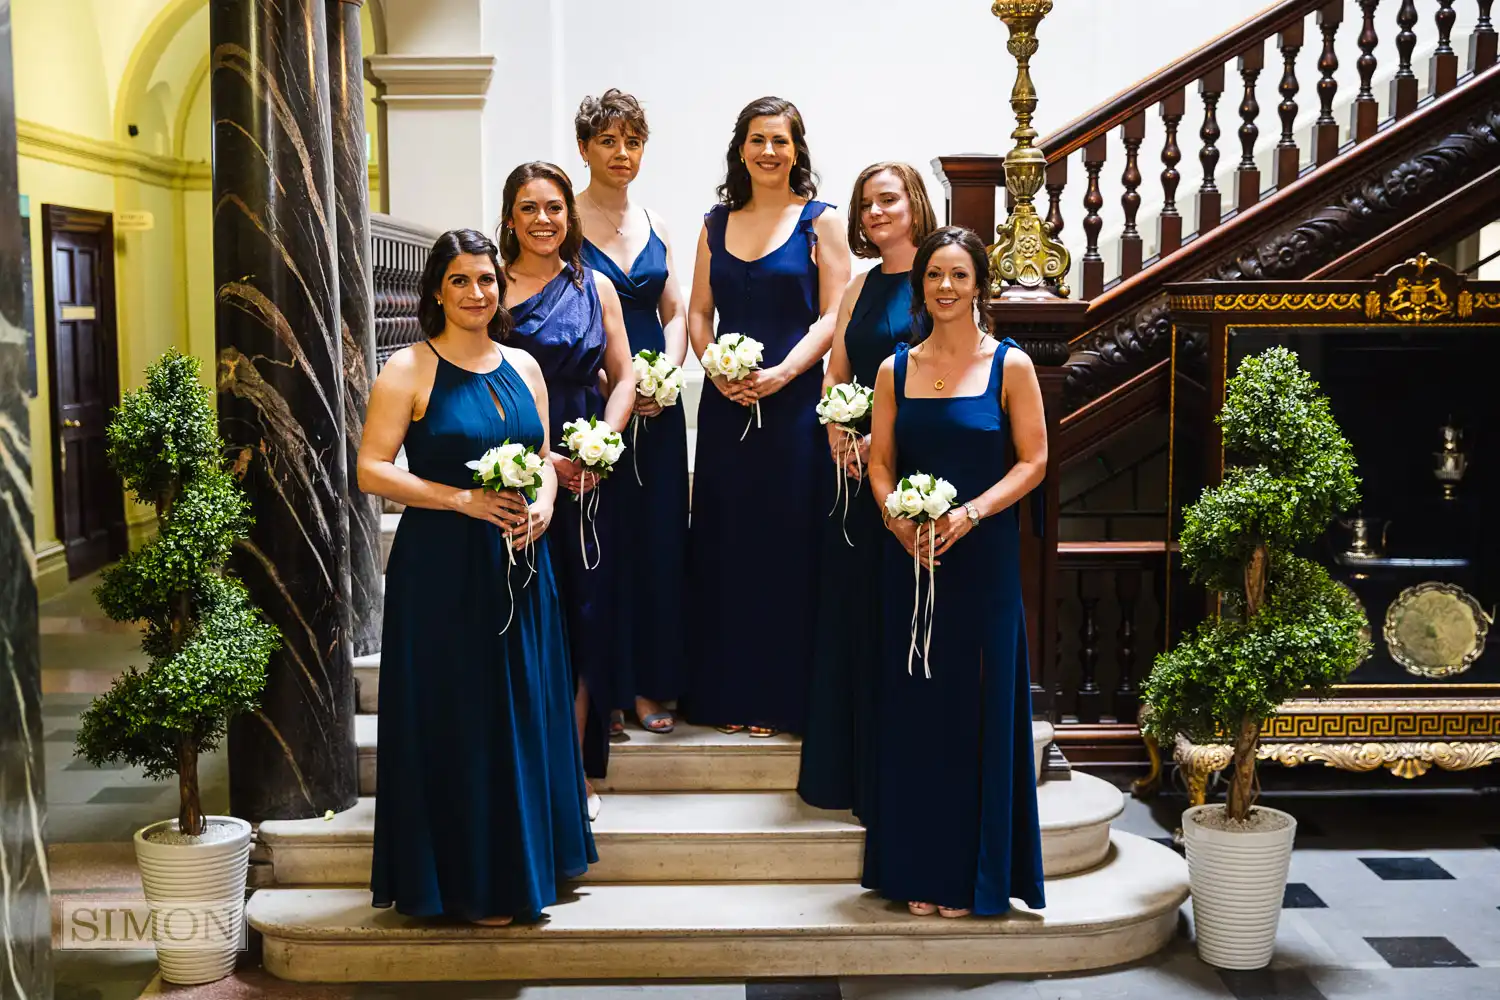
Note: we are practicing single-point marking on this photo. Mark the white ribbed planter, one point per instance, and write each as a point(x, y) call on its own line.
point(1238, 879)
point(207, 882)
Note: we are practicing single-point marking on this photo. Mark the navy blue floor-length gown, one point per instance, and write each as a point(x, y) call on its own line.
point(955, 815)
point(562, 326)
point(758, 503)
point(838, 748)
point(481, 810)
point(655, 508)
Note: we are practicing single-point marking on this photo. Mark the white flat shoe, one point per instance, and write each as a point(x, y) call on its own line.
point(595, 803)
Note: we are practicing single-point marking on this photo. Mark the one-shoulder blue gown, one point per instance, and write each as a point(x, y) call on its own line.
point(955, 816)
point(562, 326)
point(481, 810)
point(838, 748)
point(758, 503)
point(655, 509)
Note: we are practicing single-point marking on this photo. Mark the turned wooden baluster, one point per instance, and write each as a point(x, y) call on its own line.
point(1210, 203)
point(1127, 590)
point(1247, 176)
point(1366, 112)
point(1057, 179)
point(1089, 696)
point(1131, 246)
point(1442, 71)
point(1093, 200)
point(1404, 84)
point(1288, 156)
point(1485, 41)
point(1169, 223)
point(1326, 130)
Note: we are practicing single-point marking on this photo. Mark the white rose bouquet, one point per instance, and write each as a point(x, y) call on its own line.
point(597, 446)
point(844, 406)
point(922, 498)
point(657, 379)
point(511, 466)
point(734, 355)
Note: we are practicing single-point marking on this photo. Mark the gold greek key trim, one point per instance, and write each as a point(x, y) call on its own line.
point(1385, 725)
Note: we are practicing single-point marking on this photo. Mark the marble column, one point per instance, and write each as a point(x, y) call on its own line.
point(25, 914)
point(281, 396)
point(351, 182)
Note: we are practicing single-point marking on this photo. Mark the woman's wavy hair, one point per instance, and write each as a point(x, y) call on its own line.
point(510, 243)
point(613, 107)
point(452, 244)
point(735, 191)
point(949, 236)
point(923, 219)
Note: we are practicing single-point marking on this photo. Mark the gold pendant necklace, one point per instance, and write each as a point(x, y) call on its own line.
point(942, 380)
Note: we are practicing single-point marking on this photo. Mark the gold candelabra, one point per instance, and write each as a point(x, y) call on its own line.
point(1027, 257)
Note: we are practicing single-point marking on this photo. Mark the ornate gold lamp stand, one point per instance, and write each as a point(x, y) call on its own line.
point(1029, 303)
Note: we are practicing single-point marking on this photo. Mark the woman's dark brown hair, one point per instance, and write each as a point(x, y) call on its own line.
point(735, 191)
point(949, 236)
point(452, 244)
point(510, 243)
point(923, 220)
point(612, 108)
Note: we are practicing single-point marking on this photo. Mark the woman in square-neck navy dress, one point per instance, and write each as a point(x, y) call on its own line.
point(652, 488)
point(571, 324)
point(760, 497)
point(954, 825)
point(481, 811)
point(891, 216)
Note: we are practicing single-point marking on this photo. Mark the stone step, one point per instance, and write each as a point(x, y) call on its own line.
point(1120, 911)
point(367, 684)
point(693, 758)
point(689, 759)
point(706, 837)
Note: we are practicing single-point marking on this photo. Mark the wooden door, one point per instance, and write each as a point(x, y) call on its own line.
point(83, 349)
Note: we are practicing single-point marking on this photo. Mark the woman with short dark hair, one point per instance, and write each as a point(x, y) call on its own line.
point(954, 827)
point(481, 809)
point(630, 246)
point(772, 265)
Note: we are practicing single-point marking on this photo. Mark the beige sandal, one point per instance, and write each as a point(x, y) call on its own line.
point(921, 909)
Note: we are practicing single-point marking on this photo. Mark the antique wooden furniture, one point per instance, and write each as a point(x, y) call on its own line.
point(1400, 358)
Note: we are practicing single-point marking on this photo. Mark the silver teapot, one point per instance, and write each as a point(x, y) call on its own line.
point(1451, 462)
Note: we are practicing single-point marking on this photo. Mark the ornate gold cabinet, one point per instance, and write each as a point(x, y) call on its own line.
point(1407, 360)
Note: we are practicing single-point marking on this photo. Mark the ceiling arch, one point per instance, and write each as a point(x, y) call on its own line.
point(135, 84)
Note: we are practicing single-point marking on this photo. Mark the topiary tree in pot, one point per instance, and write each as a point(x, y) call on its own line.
point(1284, 626)
point(208, 646)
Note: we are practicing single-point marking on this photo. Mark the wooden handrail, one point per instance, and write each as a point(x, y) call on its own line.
point(1175, 76)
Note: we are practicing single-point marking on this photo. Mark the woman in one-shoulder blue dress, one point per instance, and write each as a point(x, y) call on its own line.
point(570, 323)
point(892, 215)
point(481, 808)
point(653, 489)
point(954, 826)
point(760, 495)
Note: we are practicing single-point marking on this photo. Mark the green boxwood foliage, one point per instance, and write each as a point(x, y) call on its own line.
point(208, 645)
point(1285, 627)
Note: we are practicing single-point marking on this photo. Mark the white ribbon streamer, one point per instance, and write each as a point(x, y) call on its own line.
point(755, 420)
point(840, 488)
point(510, 554)
point(635, 428)
point(588, 511)
point(917, 609)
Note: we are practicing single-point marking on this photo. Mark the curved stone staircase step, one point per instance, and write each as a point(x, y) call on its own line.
point(706, 837)
point(1120, 911)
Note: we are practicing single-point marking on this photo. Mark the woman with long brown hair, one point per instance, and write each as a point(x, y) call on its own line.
point(568, 318)
point(772, 265)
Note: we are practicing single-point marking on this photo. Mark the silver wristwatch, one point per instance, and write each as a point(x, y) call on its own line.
point(973, 513)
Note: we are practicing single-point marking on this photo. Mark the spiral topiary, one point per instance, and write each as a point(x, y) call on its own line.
point(1285, 627)
point(208, 645)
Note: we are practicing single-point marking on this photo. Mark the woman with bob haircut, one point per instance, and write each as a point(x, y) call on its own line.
point(889, 216)
point(481, 811)
point(954, 827)
point(772, 264)
point(567, 317)
point(629, 245)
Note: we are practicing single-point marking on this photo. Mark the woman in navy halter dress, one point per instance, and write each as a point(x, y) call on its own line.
point(481, 810)
point(570, 323)
point(652, 488)
point(954, 823)
point(760, 496)
point(838, 747)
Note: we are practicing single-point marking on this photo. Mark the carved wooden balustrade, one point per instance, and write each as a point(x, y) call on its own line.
point(1275, 58)
point(398, 251)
